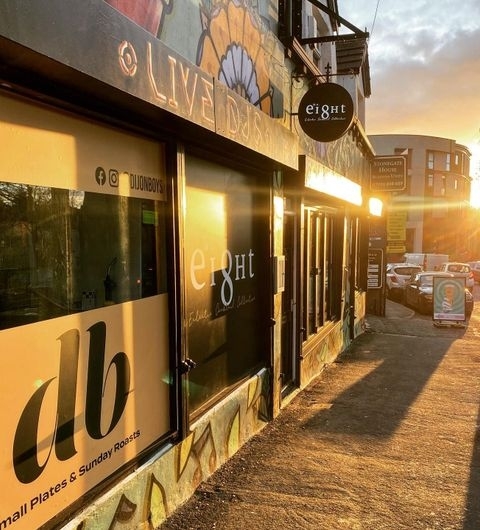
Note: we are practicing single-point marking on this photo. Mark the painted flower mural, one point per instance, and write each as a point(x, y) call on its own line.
point(149, 14)
point(231, 49)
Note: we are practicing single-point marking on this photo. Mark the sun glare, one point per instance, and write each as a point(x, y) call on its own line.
point(475, 174)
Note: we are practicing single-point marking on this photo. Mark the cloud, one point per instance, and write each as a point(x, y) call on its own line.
point(425, 66)
point(434, 93)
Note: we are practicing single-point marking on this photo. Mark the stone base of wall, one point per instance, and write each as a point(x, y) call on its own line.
point(145, 498)
point(330, 343)
point(324, 352)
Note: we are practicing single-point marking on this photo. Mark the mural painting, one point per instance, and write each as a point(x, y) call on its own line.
point(177, 474)
point(234, 45)
point(325, 353)
point(149, 14)
point(231, 49)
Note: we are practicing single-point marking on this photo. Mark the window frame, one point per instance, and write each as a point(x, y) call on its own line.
point(322, 254)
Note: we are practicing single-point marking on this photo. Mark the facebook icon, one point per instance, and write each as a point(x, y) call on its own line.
point(100, 176)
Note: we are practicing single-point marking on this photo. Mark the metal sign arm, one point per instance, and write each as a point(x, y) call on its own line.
point(357, 33)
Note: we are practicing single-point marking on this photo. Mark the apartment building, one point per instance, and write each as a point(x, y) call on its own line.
point(433, 213)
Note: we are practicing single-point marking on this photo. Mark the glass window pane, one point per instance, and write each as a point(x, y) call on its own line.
point(328, 269)
point(65, 251)
point(226, 277)
point(314, 273)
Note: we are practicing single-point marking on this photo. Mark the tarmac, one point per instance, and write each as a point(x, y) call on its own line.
point(385, 438)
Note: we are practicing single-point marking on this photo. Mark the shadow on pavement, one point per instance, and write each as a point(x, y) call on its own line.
point(377, 402)
point(472, 504)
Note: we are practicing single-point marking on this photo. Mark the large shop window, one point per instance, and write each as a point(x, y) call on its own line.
point(65, 251)
point(321, 289)
point(82, 215)
point(84, 309)
point(227, 288)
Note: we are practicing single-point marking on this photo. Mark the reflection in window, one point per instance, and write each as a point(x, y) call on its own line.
point(65, 251)
point(226, 256)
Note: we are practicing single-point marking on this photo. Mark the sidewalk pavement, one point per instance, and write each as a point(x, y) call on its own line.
point(386, 438)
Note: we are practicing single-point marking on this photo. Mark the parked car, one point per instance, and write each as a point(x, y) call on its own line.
point(460, 270)
point(419, 292)
point(475, 267)
point(397, 275)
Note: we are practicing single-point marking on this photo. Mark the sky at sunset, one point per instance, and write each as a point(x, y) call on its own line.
point(425, 67)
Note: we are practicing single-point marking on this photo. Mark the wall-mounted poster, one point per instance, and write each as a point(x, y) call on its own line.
point(375, 268)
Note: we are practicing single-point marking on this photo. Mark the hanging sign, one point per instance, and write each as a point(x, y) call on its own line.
point(325, 112)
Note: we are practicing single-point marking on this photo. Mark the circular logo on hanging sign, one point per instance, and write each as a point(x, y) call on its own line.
point(325, 112)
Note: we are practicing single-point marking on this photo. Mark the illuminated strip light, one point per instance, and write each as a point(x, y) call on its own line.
point(331, 183)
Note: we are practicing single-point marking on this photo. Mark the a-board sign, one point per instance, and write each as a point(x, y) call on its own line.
point(449, 299)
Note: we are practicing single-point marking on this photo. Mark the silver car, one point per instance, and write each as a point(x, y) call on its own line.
point(397, 276)
point(460, 270)
point(475, 266)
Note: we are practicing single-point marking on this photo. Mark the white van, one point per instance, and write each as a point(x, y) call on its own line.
point(429, 262)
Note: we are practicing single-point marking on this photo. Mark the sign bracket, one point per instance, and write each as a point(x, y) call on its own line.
point(357, 33)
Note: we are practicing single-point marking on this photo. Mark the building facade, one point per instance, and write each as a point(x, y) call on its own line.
point(433, 213)
point(178, 258)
